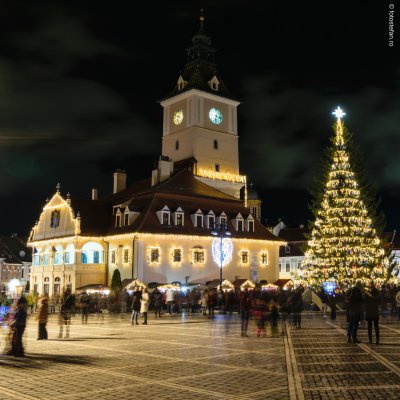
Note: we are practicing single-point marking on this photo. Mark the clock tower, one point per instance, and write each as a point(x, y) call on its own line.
point(200, 120)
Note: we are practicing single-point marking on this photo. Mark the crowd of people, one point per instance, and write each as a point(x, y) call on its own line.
point(263, 307)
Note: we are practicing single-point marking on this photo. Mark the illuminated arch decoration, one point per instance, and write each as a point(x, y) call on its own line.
point(227, 250)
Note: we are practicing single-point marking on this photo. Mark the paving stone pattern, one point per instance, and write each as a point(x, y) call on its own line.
point(192, 357)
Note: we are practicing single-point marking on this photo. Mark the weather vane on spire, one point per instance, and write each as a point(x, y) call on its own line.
point(339, 113)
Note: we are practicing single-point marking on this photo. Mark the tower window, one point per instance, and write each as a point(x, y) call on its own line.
point(216, 144)
point(217, 167)
point(177, 145)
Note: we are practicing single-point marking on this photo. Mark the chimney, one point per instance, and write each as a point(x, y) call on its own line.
point(95, 194)
point(119, 180)
point(165, 168)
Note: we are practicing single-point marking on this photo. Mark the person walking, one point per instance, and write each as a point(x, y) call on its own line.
point(204, 302)
point(67, 307)
point(123, 300)
point(260, 315)
point(324, 299)
point(137, 295)
point(273, 307)
point(52, 305)
point(84, 301)
point(144, 305)
point(371, 305)
point(42, 317)
point(296, 306)
point(170, 301)
point(245, 309)
point(354, 305)
point(18, 325)
point(157, 301)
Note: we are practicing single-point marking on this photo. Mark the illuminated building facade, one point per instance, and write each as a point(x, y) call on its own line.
point(159, 229)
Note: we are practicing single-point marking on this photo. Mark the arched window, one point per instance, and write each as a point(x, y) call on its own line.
point(58, 255)
point(46, 255)
point(92, 253)
point(36, 256)
point(69, 255)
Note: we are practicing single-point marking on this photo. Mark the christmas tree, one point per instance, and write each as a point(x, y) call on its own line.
point(344, 245)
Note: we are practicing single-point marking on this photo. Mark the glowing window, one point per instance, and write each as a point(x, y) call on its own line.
point(244, 257)
point(177, 255)
point(155, 255)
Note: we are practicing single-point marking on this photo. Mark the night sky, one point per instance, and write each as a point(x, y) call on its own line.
point(80, 84)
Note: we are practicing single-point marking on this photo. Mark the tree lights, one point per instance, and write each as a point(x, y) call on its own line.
point(344, 245)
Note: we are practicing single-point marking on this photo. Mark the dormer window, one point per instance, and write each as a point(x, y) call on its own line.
point(250, 223)
point(210, 220)
point(126, 219)
point(197, 219)
point(214, 84)
point(118, 219)
point(238, 222)
point(181, 83)
point(178, 217)
point(164, 216)
point(223, 218)
point(287, 249)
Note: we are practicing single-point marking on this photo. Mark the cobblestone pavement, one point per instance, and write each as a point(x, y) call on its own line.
point(193, 357)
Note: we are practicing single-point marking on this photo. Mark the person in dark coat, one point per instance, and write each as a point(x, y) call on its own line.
point(137, 296)
point(296, 306)
point(157, 302)
point(371, 306)
point(354, 305)
point(18, 325)
point(67, 308)
point(245, 309)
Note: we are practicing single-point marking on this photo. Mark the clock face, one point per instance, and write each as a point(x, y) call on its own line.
point(215, 116)
point(178, 117)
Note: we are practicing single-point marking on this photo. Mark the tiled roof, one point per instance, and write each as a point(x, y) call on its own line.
point(197, 75)
point(95, 215)
point(181, 190)
point(295, 250)
point(293, 234)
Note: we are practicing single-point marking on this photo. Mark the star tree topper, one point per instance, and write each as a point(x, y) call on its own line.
point(339, 113)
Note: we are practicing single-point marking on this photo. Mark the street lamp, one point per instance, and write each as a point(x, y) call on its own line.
point(225, 253)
